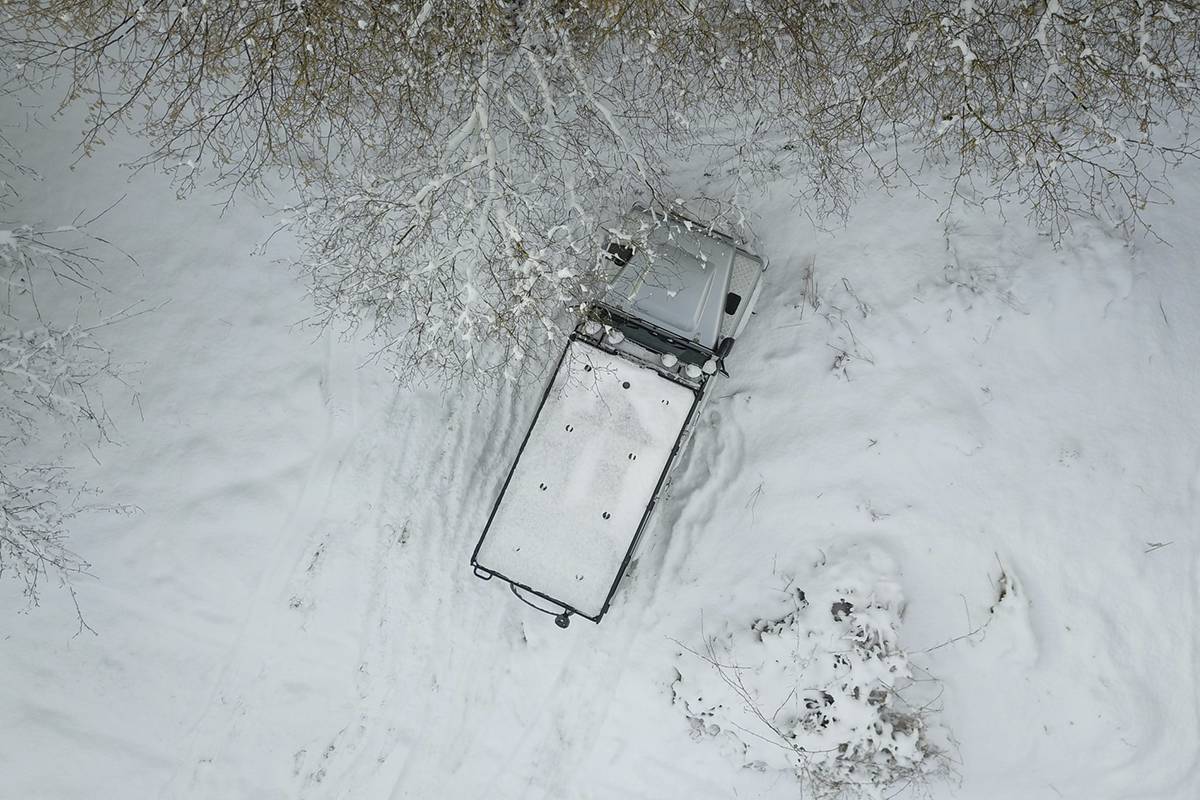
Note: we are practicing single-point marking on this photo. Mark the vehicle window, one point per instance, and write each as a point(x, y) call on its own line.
point(648, 339)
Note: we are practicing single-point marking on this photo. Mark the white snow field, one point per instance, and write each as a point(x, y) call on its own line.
point(292, 613)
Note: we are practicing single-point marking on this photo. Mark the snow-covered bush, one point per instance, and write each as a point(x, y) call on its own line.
point(820, 687)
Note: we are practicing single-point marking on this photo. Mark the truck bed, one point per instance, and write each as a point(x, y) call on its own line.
point(585, 479)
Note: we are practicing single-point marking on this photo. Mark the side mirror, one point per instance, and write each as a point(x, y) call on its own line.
point(723, 349)
point(619, 253)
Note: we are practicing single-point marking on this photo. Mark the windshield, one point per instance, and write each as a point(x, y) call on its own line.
point(654, 339)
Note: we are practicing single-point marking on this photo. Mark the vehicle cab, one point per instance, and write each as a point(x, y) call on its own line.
point(680, 293)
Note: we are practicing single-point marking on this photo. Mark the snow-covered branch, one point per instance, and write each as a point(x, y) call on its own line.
point(37, 504)
point(51, 377)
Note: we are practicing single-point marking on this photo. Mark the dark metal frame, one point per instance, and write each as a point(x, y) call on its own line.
point(486, 574)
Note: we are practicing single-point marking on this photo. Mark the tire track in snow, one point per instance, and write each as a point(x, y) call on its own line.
point(420, 705)
point(452, 718)
point(216, 726)
point(359, 740)
point(427, 518)
point(707, 471)
point(432, 707)
point(579, 702)
point(419, 499)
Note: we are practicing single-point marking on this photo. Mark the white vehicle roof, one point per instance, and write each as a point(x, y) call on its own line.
point(585, 478)
point(677, 278)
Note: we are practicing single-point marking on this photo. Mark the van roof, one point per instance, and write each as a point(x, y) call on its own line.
point(677, 277)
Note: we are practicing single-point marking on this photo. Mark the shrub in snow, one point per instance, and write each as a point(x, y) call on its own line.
point(36, 505)
point(820, 688)
point(50, 375)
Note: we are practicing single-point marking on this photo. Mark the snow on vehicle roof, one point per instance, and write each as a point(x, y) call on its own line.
point(584, 478)
point(676, 278)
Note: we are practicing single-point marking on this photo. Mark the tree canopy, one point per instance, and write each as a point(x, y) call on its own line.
point(456, 162)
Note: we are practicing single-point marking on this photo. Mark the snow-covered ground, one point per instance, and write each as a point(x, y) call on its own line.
point(292, 614)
